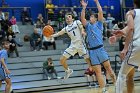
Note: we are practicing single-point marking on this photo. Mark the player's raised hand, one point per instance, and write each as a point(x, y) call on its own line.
point(84, 3)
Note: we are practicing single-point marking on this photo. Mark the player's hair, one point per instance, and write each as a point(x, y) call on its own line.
point(4, 42)
point(95, 15)
point(137, 3)
point(70, 14)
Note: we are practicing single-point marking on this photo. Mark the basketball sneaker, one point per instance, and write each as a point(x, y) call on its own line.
point(105, 91)
point(68, 73)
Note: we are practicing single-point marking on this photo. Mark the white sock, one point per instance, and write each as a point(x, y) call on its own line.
point(120, 84)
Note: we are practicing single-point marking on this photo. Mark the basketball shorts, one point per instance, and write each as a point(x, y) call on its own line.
point(98, 56)
point(73, 49)
point(3, 74)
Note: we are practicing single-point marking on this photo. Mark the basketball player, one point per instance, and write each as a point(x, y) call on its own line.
point(97, 53)
point(4, 71)
point(130, 53)
point(74, 30)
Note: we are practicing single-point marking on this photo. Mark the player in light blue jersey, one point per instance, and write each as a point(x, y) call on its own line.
point(97, 53)
point(4, 71)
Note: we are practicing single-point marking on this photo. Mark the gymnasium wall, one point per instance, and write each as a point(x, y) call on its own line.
point(37, 6)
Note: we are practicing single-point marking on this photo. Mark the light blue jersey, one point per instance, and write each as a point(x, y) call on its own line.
point(3, 54)
point(97, 53)
point(94, 34)
point(3, 75)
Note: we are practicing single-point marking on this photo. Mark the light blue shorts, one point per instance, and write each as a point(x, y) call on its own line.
point(98, 56)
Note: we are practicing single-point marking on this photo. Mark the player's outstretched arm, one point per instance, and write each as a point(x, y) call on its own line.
point(83, 19)
point(100, 11)
point(58, 33)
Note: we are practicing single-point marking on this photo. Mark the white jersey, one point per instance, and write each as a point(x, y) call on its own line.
point(136, 36)
point(73, 31)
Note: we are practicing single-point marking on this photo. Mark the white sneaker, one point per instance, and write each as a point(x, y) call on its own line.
point(105, 91)
point(49, 78)
point(68, 73)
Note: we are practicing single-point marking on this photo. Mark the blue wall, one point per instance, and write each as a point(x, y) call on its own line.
point(37, 6)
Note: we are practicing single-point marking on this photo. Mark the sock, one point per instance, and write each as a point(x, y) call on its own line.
point(106, 81)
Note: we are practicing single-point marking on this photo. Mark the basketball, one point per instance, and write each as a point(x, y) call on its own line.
point(48, 30)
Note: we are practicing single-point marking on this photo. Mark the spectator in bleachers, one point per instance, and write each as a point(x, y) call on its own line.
point(10, 32)
point(109, 20)
point(47, 41)
point(13, 46)
point(14, 26)
point(90, 73)
point(49, 70)
point(2, 16)
point(5, 24)
point(40, 23)
point(41, 20)
point(61, 19)
point(25, 16)
point(74, 13)
point(50, 9)
point(35, 40)
point(115, 25)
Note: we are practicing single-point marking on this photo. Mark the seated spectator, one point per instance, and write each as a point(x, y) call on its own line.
point(48, 69)
point(41, 20)
point(109, 21)
point(115, 25)
point(2, 16)
point(50, 11)
point(25, 16)
point(10, 32)
point(35, 40)
point(6, 24)
point(74, 13)
point(47, 41)
point(14, 25)
point(13, 47)
point(39, 28)
point(90, 73)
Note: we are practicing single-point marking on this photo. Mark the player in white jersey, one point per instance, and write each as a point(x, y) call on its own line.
point(131, 52)
point(74, 29)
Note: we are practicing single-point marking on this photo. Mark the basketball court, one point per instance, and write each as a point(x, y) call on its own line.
point(111, 89)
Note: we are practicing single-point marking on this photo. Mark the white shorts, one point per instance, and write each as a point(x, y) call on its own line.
point(73, 49)
point(133, 57)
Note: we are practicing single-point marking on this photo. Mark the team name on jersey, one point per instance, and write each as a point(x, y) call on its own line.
point(72, 29)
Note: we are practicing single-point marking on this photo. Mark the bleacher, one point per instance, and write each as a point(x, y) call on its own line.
point(27, 74)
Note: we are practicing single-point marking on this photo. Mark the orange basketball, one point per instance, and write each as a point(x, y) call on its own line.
point(48, 30)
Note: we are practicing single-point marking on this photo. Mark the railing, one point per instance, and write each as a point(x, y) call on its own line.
point(105, 9)
point(13, 10)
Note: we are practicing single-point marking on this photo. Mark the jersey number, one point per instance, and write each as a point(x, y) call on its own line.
point(74, 33)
